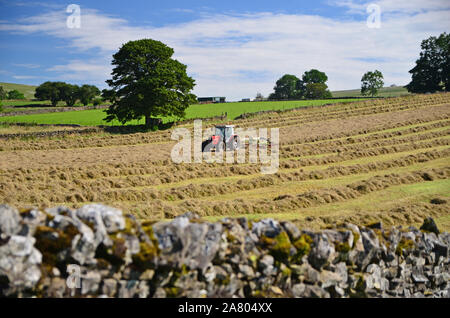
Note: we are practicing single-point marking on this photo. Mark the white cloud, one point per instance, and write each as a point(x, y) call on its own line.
point(90, 72)
point(239, 55)
point(20, 77)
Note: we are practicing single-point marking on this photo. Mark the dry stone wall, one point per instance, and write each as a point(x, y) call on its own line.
point(96, 251)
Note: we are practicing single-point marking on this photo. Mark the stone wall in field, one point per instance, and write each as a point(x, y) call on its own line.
point(97, 251)
point(48, 110)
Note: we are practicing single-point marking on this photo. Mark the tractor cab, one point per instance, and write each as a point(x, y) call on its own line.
point(224, 132)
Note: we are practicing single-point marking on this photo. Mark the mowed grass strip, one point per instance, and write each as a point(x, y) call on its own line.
point(369, 204)
point(296, 187)
point(95, 117)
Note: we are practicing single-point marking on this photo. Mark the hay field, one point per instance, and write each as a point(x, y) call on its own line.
point(379, 160)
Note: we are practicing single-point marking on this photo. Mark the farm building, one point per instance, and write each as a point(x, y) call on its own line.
point(211, 100)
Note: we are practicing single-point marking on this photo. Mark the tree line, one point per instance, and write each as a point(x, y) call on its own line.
point(68, 93)
point(431, 74)
point(147, 82)
point(11, 95)
point(311, 86)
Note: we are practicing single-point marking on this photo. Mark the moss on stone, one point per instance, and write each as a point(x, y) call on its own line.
point(342, 247)
point(279, 246)
point(253, 259)
point(303, 246)
point(51, 241)
point(356, 237)
point(147, 227)
point(404, 244)
point(145, 258)
point(25, 212)
point(172, 292)
point(286, 271)
point(129, 226)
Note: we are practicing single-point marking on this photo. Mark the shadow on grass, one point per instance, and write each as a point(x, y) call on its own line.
point(130, 129)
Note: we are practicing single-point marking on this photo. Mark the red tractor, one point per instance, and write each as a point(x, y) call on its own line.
point(223, 139)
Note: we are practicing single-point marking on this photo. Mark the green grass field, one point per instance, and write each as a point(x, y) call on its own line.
point(95, 117)
point(384, 92)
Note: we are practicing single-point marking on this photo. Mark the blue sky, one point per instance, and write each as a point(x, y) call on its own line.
point(232, 48)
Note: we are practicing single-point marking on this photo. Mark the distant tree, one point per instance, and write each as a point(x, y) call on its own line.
point(49, 91)
point(286, 87)
point(15, 94)
point(148, 82)
point(432, 70)
point(317, 91)
point(87, 93)
point(371, 82)
point(312, 85)
point(314, 77)
point(69, 93)
point(3, 93)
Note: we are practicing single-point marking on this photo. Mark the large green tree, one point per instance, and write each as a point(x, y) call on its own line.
point(148, 82)
point(49, 91)
point(69, 93)
point(87, 93)
point(314, 77)
point(432, 70)
point(312, 85)
point(286, 87)
point(371, 82)
point(317, 91)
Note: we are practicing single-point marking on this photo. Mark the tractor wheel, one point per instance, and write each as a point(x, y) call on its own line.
point(236, 143)
point(220, 146)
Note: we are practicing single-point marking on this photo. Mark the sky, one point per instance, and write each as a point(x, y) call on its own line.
point(232, 48)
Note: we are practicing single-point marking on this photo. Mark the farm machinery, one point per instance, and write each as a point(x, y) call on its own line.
point(225, 139)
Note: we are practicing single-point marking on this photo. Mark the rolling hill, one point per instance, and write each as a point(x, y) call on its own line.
point(27, 90)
